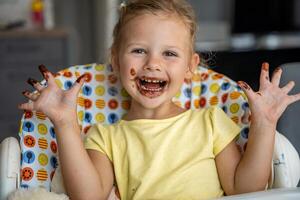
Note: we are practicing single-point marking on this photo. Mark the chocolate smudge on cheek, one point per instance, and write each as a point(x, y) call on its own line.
point(132, 72)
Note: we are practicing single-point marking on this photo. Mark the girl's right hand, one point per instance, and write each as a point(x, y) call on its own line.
point(58, 105)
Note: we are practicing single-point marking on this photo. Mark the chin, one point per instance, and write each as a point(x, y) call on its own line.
point(151, 103)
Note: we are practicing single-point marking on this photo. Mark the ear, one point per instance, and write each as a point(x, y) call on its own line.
point(115, 63)
point(194, 62)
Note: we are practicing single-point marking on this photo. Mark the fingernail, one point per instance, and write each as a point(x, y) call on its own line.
point(81, 77)
point(265, 66)
point(44, 71)
point(244, 85)
point(55, 75)
point(25, 92)
point(31, 81)
point(43, 68)
point(277, 69)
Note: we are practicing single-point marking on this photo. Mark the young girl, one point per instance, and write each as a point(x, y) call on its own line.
point(158, 150)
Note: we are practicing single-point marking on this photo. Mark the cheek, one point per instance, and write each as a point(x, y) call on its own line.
point(128, 75)
point(179, 71)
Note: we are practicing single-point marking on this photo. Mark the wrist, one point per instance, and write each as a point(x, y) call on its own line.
point(267, 119)
point(262, 123)
point(65, 123)
point(63, 118)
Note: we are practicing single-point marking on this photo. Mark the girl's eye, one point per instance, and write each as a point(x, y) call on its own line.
point(138, 51)
point(170, 53)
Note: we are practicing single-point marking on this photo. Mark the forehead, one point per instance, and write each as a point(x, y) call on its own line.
point(169, 27)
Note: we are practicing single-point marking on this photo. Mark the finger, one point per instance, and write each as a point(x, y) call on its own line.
point(276, 76)
point(31, 95)
point(264, 75)
point(288, 87)
point(49, 77)
point(78, 84)
point(294, 98)
point(34, 83)
point(247, 89)
point(44, 71)
point(27, 106)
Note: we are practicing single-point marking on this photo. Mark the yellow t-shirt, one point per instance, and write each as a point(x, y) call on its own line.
point(171, 158)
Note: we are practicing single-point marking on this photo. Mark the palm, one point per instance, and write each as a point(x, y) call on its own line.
point(271, 100)
point(55, 103)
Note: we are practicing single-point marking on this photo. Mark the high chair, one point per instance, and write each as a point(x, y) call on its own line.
point(103, 100)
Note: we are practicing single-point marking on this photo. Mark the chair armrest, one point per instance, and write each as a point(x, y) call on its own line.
point(10, 156)
point(286, 163)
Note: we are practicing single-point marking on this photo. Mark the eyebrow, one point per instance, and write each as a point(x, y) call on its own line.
point(166, 46)
point(133, 44)
point(174, 47)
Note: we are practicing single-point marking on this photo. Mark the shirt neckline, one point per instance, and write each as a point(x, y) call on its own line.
point(122, 121)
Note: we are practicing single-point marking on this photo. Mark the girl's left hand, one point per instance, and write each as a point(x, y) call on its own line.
point(268, 104)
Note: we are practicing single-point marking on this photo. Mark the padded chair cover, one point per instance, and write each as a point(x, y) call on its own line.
point(103, 100)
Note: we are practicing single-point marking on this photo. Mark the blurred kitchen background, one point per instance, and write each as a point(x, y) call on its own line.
point(234, 38)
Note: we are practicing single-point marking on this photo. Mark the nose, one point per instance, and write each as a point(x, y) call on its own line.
point(153, 64)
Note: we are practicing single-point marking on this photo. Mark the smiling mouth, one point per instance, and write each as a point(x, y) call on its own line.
point(150, 86)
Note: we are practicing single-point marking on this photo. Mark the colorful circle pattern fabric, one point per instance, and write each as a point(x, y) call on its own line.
point(103, 100)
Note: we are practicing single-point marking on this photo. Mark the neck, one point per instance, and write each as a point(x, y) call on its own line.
point(167, 110)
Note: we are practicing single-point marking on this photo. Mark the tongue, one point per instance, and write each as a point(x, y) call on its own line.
point(152, 85)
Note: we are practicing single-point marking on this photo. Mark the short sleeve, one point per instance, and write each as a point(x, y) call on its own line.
point(96, 139)
point(224, 129)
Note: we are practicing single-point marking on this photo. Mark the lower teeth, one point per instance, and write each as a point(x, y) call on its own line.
point(151, 90)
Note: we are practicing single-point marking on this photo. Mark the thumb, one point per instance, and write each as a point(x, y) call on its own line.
point(78, 84)
point(247, 89)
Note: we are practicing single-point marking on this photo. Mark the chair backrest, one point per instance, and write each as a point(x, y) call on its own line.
point(289, 124)
point(103, 100)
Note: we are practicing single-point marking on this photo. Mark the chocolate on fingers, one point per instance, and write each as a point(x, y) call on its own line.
point(34, 83)
point(45, 72)
point(31, 95)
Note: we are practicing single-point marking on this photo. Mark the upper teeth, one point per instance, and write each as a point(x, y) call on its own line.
point(152, 81)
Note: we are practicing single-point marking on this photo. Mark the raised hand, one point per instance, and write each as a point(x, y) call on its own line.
point(58, 105)
point(270, 101)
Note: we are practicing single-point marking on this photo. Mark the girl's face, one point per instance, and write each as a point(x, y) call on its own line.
point(154, 58)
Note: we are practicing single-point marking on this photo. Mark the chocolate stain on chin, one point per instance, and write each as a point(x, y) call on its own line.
point(132, 72)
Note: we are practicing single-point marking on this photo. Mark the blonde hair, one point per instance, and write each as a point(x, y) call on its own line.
point(137, 7)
